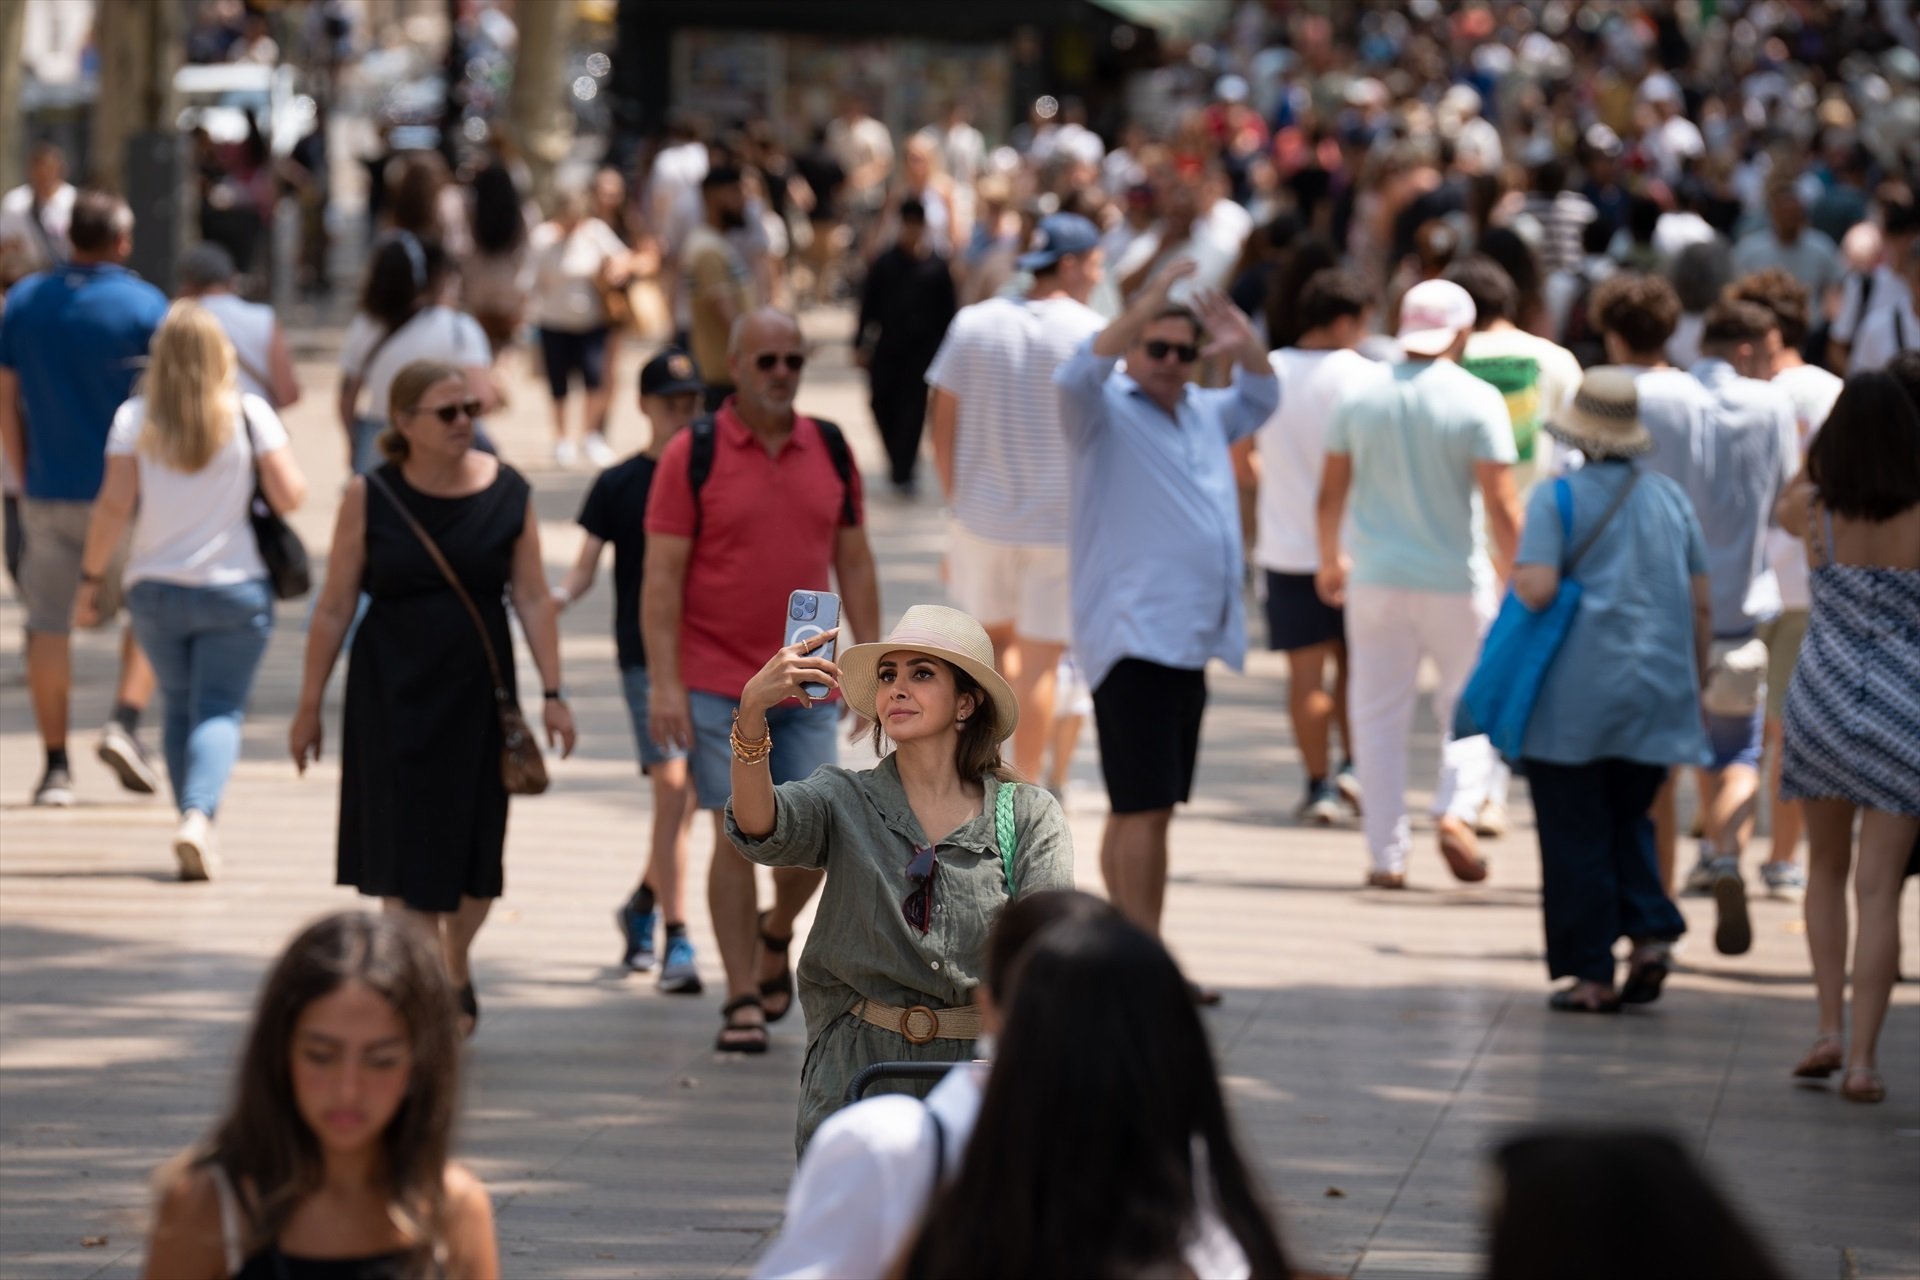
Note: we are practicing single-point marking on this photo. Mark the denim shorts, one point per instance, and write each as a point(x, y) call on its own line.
point(803, 740)
point(1735, 739)
point(633, 680)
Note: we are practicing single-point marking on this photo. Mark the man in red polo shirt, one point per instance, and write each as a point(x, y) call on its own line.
point(771, 517)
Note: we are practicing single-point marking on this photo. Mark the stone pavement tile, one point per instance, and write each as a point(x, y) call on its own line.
point(1373, 1044)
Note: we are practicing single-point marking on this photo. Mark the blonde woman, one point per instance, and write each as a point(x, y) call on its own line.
point(180, 465)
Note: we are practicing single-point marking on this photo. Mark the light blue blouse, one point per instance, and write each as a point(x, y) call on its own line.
point(1624, 685)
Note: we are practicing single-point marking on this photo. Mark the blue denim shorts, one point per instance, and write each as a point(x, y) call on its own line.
point(1736, 739)
point(803, 740)
point(633, 680)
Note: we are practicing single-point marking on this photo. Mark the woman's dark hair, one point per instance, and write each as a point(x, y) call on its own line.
point(1331, 295)
point(1515, 257)
point(413, 203)
point(1310, 256)
point(263, 1144)
point(1053, 1183)
point(499, 225)
point(1866, 460)
point(1643, 215)
point(401, 273)
point(1556, 1184)
point(978, 752)
point(1022, 921)
point(1700, 272)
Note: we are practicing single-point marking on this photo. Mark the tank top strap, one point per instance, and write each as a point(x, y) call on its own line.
point(1826, 531)
point(230, 1220)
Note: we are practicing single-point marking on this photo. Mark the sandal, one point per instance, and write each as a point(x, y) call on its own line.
point(1386, 880)
point(1863, 1084)
point(1823, 1059)
point(470, 1006)
point(1461, 850)
point(741, 1037)
point(780, 988)
point(1647, 971)
point(1565, 1001)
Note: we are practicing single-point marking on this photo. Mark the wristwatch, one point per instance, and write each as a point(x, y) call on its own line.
point(554, 695)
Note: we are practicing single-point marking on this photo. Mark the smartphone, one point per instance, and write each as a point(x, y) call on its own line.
point(808, 614)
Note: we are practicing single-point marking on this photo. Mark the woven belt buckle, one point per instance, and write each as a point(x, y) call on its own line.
point(907, 1024)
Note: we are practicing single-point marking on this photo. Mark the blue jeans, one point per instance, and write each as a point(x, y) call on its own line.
point(205, 644)
point(803, 740)
point(1599, 878)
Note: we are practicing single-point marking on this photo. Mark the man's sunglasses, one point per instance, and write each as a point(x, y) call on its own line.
point(1158, 350)
point(918, 908)
point(794, 361)
point(450, 413)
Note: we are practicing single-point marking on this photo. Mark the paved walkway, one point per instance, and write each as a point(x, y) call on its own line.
point(1376, 1046)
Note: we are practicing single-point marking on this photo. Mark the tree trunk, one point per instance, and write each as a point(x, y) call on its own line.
point(538, 108)
point(141, 44)
point(13, 24)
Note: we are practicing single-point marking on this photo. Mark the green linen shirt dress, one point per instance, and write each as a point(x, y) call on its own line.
point(859, 828)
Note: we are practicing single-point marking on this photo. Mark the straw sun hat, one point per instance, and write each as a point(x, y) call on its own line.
point(1603, 419)
point(938, 632)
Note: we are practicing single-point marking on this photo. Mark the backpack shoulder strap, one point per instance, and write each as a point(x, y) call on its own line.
point(1004, 830)
point(836, 442)
point(700, 461)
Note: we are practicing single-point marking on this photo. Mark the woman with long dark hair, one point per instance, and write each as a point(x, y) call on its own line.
point(922, 852)
point(493, 283)
point(1126, 1163)
point(1851, 711)
point(332, 1159)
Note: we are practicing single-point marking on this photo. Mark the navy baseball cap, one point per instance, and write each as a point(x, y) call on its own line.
point(670, 373)
point(1058, 235)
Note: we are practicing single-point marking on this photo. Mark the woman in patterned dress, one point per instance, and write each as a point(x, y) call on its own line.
point(1853, 709)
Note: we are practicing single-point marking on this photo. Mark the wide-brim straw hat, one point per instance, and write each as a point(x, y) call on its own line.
point(1603, 418)
point(938, 632)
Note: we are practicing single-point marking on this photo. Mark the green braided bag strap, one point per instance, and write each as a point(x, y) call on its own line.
point(1004, 831)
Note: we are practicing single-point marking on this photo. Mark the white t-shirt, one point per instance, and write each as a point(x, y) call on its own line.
point(22, 249)
point(192, 528)
point(1292, 448)
point(249, 327)
point(1812, 391)
point(1888, 290)
point(1884, 334)
point(1010, 473)
point(675, 187)
point(437, 333)
point(566, 275)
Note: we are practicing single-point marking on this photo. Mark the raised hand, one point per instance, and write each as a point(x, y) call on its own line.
point(1229, 332)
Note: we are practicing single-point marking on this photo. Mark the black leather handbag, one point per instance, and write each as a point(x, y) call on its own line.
point(280, 547)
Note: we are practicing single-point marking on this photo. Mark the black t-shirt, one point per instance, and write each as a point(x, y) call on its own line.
point(616, 511)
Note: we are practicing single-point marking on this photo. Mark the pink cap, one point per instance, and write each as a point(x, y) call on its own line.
point(1432, 314)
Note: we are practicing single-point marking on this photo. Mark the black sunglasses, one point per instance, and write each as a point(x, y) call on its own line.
point(1158, 350)
point(450, 413)
point(918, 908)
point(794, 361)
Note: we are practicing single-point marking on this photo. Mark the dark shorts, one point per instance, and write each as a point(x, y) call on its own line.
point(1297, 618)
point(566, 353)
point(1148, 718)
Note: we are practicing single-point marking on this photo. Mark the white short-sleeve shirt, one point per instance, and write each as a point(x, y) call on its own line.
point(437, 333)
point(192, 527)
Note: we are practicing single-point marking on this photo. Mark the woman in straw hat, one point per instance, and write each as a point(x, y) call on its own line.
point(922, 851)
point(1619, 704)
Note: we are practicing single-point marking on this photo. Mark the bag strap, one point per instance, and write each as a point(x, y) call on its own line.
point(836, 442)
point(700, 450)
point(453, 580)
point(704, 443)
point(1619, 500)
point(1004, 832)
point(232, 1220)
point(939, 1150)
point(366, 366)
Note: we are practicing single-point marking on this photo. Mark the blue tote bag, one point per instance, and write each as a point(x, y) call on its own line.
point(1521, 644)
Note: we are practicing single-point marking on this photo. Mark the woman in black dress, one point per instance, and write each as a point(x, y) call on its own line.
point(423, 808)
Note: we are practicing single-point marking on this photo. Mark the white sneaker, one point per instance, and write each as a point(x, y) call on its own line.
point(599, 452)
point(565, 453)
point(193, 847)
point(121, 752)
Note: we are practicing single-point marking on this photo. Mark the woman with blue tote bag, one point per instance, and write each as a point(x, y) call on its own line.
point(1617, 705)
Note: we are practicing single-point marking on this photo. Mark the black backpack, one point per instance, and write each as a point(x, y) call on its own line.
point(700, 464)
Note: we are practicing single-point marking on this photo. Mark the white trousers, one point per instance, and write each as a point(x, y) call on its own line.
point(1389, 630)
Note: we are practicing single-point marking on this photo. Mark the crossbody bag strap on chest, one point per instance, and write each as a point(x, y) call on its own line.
point(1593, 535)
point(1003, 830)
point(704, 444)
point(453, 580)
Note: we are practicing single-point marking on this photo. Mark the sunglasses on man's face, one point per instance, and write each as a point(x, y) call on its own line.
point(918, 908)
point(451, 413)
point(765, 361)
point(1158, 350)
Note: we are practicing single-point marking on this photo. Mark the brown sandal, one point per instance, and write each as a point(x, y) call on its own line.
point(780, 987)
point(1863, 1084)
point(1825, 1057)
point(1461, 848)
point(746, 1037)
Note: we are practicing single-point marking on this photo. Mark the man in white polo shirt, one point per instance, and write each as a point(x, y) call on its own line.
point(1002, 459)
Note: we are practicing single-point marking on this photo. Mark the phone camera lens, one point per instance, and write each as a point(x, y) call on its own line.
point(805, 607)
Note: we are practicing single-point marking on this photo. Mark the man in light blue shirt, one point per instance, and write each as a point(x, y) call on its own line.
point(1419, 462)
point(1155, 553)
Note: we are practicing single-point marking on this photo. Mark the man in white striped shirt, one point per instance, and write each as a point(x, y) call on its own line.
point(1002, 459)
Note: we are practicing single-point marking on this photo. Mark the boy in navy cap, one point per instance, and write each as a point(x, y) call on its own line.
point(615, 512)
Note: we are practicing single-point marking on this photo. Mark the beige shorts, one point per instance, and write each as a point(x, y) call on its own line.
point(53, 533)
point(1783, 636)
point(1001, 583)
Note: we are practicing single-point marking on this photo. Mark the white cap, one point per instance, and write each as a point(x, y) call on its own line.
point(1432, 314)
